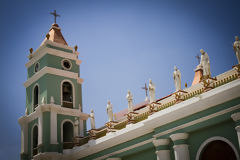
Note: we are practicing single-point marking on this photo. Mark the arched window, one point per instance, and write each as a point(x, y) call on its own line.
point(67, 135)
point(35, 96)
point(218, 150)
point(67, 95)
point(35, 141)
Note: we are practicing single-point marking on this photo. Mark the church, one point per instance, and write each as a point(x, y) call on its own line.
point(198, 122)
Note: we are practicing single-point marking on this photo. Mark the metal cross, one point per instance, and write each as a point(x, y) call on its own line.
point(146, 89)
point(198, 58)
point(55, 15)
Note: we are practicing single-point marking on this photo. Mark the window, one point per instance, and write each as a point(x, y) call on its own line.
point(67, 135)
point(67, 95)
point(66, 64)
point(35, 97)
point(35, 141)
point(36, 67)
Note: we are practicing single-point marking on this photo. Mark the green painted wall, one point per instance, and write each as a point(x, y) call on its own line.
point(61, 118)
point(50, 85)
point(54, 62)
point(222, 126)
point(42, 93)
point(225, 129)
point(148, 154)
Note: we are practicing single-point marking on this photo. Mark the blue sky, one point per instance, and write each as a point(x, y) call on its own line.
point(122, 44)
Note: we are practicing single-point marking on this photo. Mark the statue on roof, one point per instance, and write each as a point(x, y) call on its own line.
point(109, 111)
point(177, 78)
point(92, 116)
point(236, 47)
point(205, 63)
point(130, 101)
point(152, 88)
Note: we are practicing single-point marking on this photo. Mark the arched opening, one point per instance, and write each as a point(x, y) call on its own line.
point(67, 135)
point(35, 97)
point(67, 95)
point(35, 141)
point(218, 150)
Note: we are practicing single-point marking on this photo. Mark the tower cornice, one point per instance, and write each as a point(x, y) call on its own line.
point(49, 47)
point(53, 71)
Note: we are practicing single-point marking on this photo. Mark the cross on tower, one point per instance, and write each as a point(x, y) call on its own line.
point(146, 89)
point(55, 15)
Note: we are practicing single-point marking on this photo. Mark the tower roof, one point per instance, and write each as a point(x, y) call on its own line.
point(55, 34)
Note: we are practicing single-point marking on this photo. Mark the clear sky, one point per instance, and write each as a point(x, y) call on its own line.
point(122, 44)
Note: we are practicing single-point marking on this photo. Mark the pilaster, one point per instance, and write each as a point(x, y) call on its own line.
point(53, 127)
point(236, 118)
point(180, 147)
point(162, 149)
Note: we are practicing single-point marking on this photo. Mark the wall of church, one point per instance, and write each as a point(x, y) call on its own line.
point(218, 124)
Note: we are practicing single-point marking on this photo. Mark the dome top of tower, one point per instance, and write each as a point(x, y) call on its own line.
point(55, 35)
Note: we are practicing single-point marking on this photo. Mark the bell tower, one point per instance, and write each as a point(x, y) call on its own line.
point(53, 115)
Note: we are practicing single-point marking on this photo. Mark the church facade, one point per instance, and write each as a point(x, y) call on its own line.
point(195, 123)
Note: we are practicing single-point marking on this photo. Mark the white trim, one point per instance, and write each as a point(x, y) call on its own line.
point(78, 61)
point(198, 120)
point(50, 70)
point(160, 142)
point(73, 91)
point(236, 116)
point(43, 50)
point(206, 142)
point(207, 100)
point(178, 136)
point(125, 149)
point(34, 96)
point(68, 62)
point(48, 108)
point(31, 149)
point(66, 120)
point(53, 128)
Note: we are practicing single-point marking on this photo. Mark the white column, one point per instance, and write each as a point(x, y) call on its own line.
point(236, 118)
point(162, 149)
point(53, 127)
point(76, 124)
point(24, 135)
point(40, 126)
point(180, 147)
point(81, 128)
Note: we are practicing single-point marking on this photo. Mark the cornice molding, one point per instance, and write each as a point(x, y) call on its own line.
point(54, 71)
point(52, 108)
point(43, 50)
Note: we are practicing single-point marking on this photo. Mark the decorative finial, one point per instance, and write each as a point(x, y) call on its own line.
point(31, 50)
point(186, 85)
point(30, 55)
point(55, 15)
point(75, 47)
point(48, 36)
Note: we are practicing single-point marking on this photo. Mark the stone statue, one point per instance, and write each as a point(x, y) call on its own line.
point(205, 63)
point(109, 111)
point(92, 119)
point(130, 101)
point(236, 47)
point(151, 87)
point(177, 78)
